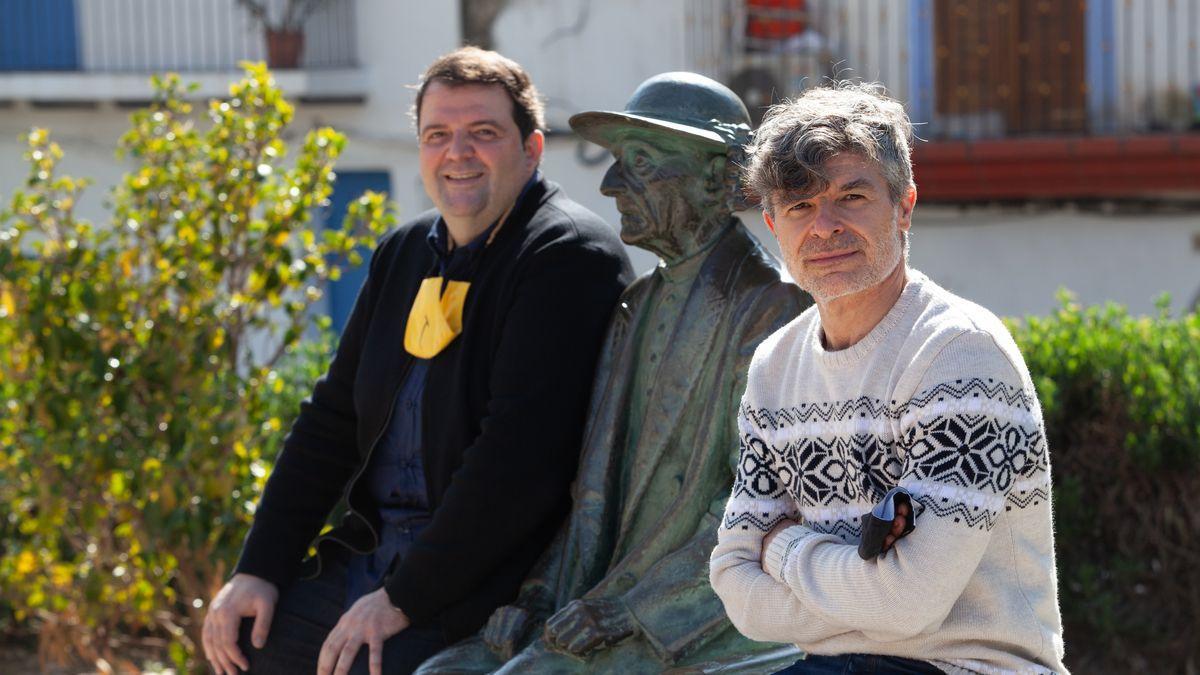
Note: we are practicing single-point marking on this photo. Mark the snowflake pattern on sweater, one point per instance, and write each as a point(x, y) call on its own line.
point(975, 445)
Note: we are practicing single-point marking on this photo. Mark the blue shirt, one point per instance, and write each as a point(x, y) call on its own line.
point(395, 474)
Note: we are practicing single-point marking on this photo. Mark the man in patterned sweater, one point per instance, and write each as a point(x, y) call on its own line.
point(890, 404)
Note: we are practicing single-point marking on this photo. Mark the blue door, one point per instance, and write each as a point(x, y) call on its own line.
point(38, 35)
point(349, 186)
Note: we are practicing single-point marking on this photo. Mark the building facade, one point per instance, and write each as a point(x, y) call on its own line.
point(1060, 145)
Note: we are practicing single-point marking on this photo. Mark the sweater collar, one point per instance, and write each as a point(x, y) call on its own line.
point(859, 350)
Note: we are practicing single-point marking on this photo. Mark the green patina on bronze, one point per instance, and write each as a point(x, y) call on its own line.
point(624, 587)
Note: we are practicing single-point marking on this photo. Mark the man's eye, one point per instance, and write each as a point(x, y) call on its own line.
point(434, 136)
point(852, 198)
point(485, 133)
point(800, 206)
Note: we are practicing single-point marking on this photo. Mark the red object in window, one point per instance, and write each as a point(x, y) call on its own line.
point(775, 19)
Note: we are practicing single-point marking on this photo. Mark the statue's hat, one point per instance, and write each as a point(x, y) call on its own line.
point(682, 104)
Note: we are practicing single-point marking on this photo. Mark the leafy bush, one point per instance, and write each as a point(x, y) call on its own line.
point(1121, 397)
point(144, 365)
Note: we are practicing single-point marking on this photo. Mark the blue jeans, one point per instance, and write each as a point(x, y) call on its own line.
point(307, 611)
point(860, 663)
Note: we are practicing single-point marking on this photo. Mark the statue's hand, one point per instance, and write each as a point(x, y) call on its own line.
point(585, 625)
point(506, 630)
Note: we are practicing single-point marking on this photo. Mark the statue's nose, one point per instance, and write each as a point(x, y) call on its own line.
point(614, 181)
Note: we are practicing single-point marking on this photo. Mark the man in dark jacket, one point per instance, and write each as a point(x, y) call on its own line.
point(451, 415)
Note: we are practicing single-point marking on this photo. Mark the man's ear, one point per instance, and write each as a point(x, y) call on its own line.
point(769, 221)
point(907, 203)
point(714, 178)
point(535, 143)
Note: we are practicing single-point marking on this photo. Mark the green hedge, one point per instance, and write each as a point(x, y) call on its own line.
point(1121, 398)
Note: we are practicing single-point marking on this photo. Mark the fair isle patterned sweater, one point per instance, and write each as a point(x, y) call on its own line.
point(935, 399)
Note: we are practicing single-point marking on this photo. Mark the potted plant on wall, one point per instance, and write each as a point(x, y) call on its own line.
point(284, 30)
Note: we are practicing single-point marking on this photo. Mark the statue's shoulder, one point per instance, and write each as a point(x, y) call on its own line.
point(763, 286)
point(635, 293)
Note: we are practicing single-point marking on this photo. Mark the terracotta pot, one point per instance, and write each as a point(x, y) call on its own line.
point(284, 48)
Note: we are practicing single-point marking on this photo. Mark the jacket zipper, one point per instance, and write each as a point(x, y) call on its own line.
point(349, 489)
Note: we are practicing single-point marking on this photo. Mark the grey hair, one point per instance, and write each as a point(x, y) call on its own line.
point(798, 137)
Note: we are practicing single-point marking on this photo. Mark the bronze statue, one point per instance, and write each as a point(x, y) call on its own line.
point(624, 587)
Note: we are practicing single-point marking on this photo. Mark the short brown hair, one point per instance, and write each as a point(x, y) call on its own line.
point(472, 65)
point(798, 137)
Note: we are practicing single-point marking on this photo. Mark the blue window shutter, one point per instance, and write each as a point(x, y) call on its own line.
point(1100, 36)
point(38, 35)
point(349, 186)
point(921, 76)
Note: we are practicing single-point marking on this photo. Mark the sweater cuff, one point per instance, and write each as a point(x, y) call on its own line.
point(776, 555)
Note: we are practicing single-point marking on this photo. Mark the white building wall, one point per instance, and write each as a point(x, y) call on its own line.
point(869, 39)
point(125, 35)
point(1011, 261)
point(1157, 62)
point(396, 40)
point(587, 55)
point(1014, 263)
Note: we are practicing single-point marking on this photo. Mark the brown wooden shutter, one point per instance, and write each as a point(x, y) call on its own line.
point(1016, 63)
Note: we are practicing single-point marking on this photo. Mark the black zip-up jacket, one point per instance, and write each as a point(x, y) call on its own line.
point(502, 414)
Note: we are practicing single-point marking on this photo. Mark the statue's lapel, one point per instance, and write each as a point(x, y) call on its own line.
point(594, 524)
point(606, 424)
point(685, 361)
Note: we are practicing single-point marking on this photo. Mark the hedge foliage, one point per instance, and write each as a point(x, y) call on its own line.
point(1121, 397)
point(144, 363)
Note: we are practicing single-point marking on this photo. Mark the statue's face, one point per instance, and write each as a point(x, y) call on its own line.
point(661, 183)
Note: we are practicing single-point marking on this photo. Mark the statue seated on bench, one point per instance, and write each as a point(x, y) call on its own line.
point(624, 588)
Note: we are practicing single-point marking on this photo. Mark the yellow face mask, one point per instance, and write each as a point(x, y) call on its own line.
point(436, 317)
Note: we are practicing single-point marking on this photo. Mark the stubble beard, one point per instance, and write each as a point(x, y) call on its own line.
point(824, 288)
point(463, 203)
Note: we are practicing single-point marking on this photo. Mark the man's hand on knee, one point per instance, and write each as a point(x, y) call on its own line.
point(244, 596)
point(585, 625)
point(370, 621)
